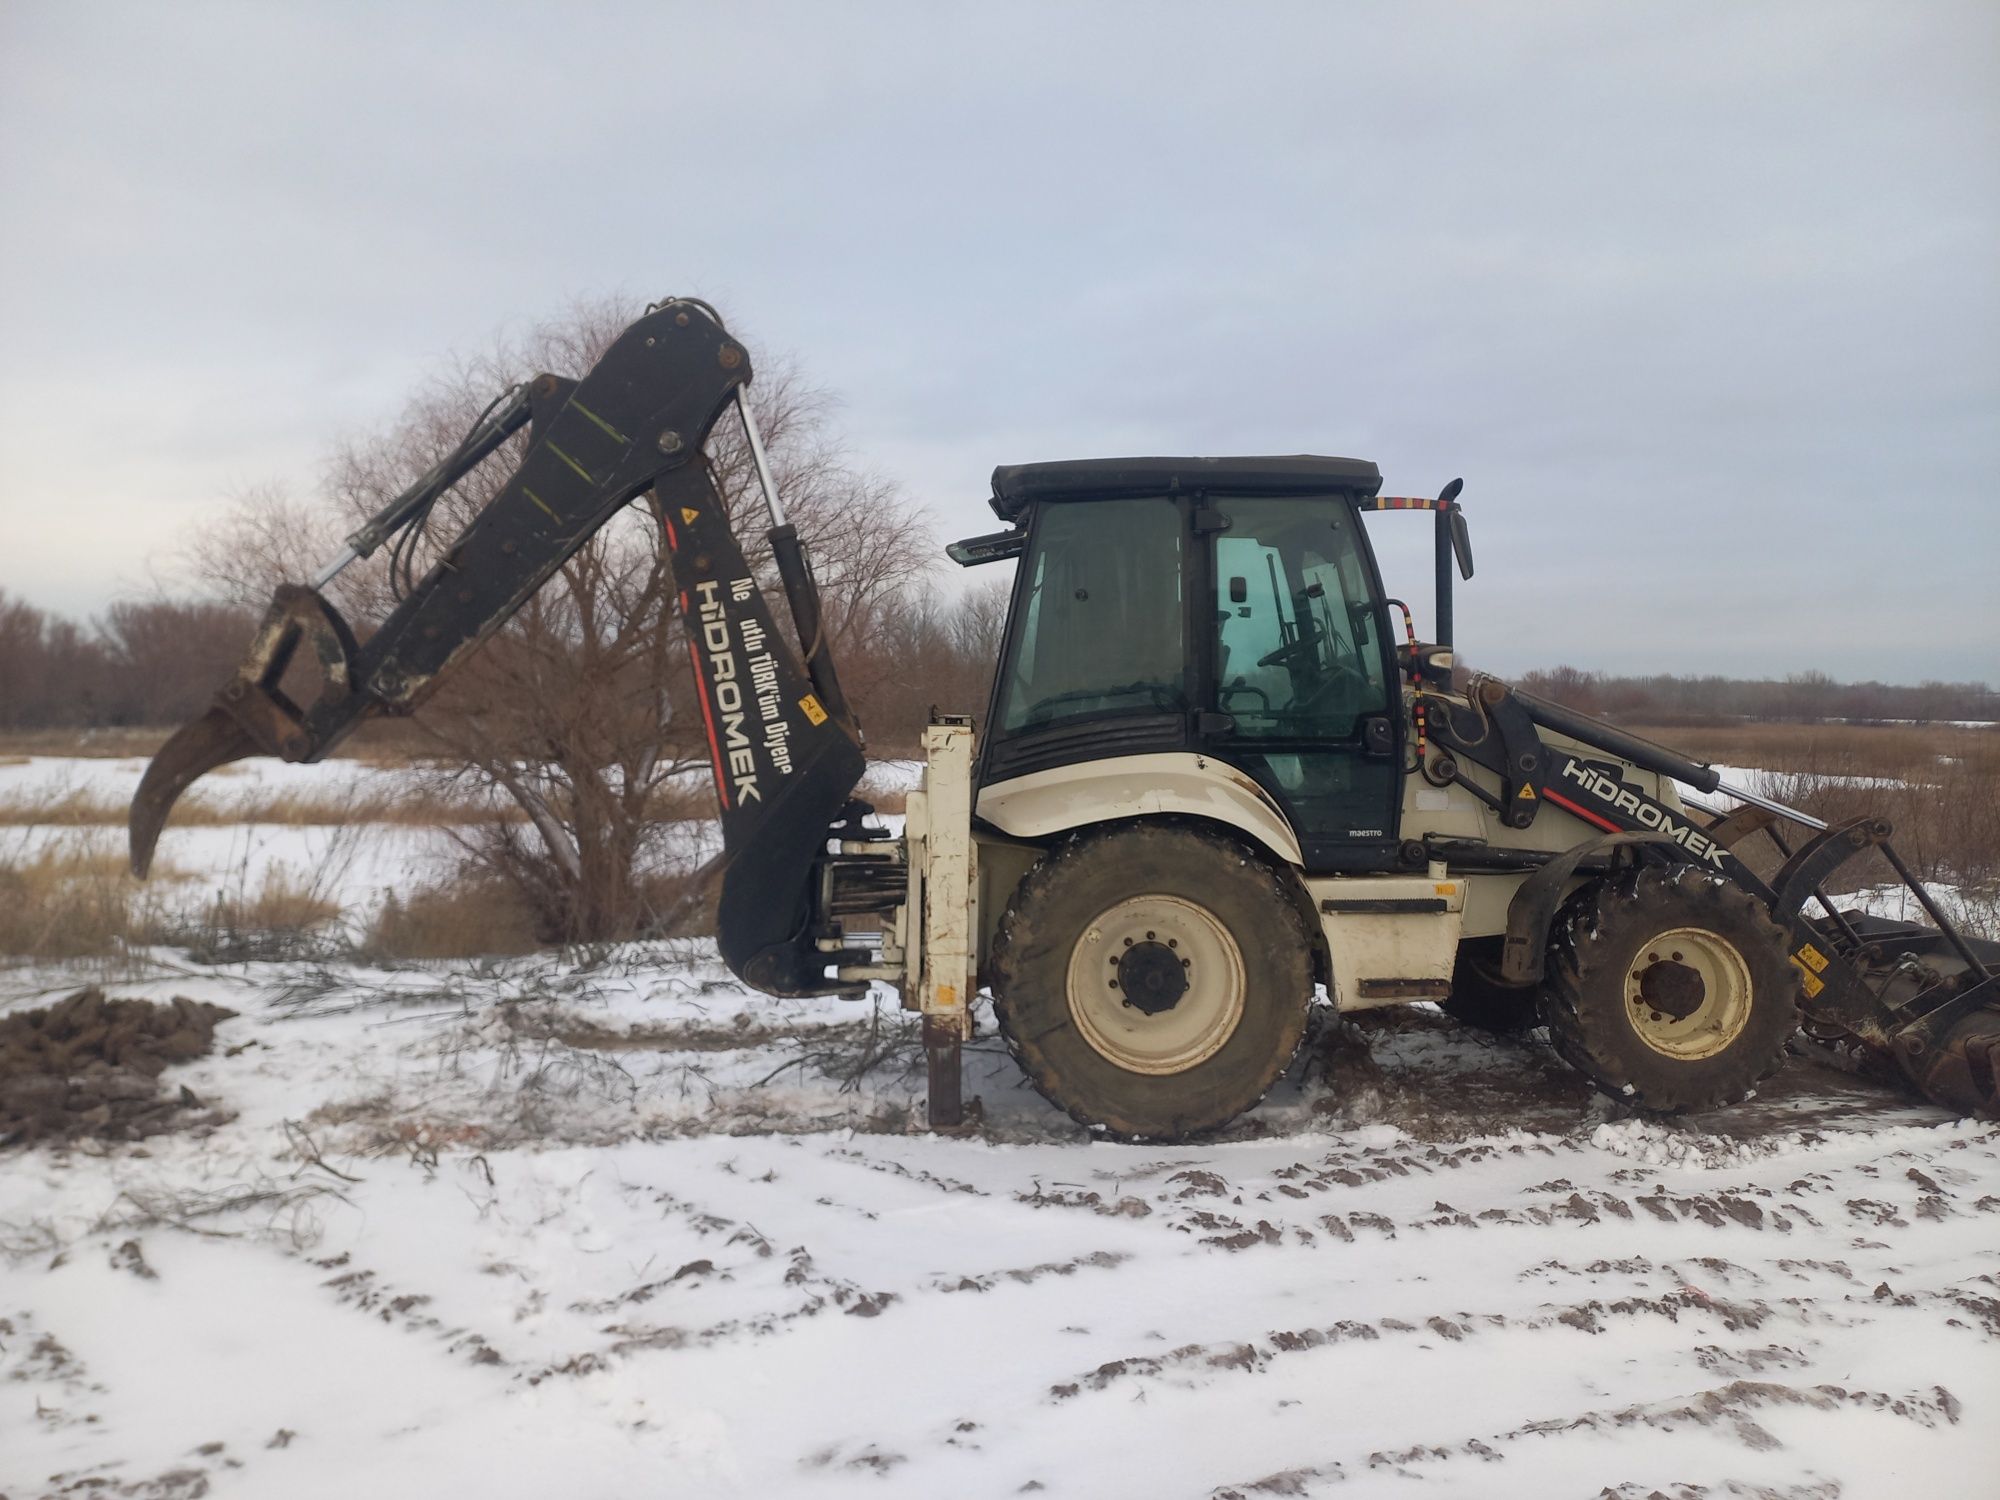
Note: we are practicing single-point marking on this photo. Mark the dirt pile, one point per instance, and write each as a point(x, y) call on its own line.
point(89, 1066)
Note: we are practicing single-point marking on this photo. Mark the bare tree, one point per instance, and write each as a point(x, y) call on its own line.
point(162, 658)
point(928, 654)
point(21, 662)
point(264, 537)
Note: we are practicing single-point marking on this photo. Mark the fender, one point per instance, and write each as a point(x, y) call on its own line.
point(1047, 803)
point(1534, 905)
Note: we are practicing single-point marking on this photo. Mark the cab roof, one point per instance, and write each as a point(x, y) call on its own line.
point(1016, 487)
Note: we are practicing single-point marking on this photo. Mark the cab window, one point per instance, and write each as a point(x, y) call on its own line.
point(1297, 656)
point(1100, 620)
point(1299, 671)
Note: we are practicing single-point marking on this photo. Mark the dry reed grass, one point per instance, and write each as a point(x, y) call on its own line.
point(378, 742)
point(1946, 814)
point(84, 744)
point(284, 901)
point(291, 809)
point(1892, 751)
point(894, 800)
point(465, 918)
point(1937, 786)
point(67, 901)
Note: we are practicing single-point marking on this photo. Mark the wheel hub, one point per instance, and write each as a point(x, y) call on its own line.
point(1673, 989)
point(1150, 977)
point(1156, 984)
point(1688, 993)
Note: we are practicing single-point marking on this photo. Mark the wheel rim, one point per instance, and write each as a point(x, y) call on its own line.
point(1688, 993)
point(1122, 991)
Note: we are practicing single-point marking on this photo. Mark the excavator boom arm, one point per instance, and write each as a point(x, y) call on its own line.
point(785, 750)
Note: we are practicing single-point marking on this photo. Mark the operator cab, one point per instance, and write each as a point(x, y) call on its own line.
point(1227, 607)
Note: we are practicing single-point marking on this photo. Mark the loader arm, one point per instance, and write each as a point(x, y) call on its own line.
point(1926, 999)
point(785, 750)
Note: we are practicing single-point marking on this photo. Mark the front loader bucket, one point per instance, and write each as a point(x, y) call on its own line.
point(1924, 999)
point(1942, 988)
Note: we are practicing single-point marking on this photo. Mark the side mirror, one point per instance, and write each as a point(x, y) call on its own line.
point(1239, 590)
point(1451, 542)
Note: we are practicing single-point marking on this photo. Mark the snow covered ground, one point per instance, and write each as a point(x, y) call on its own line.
point(542, 1227)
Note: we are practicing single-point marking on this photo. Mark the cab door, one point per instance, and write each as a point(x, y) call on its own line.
point(1300, 682)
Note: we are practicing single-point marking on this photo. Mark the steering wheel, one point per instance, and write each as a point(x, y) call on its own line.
point(1303, 650)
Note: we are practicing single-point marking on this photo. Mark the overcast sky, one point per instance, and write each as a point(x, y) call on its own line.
point(1703, 301)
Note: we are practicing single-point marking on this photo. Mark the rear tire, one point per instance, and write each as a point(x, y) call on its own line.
point(1670, 990)
point(1481, 999)
point(1152, 979)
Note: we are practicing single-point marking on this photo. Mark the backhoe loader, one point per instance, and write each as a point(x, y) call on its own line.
point(1212, 781)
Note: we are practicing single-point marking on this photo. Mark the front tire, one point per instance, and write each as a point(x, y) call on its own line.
point(1671, 990)
point(1152, 979)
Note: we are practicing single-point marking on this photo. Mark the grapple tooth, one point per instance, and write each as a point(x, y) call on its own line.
point(196, 748)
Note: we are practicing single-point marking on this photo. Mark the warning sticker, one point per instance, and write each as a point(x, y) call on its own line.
point(813, 712)
point(1526, 794)
point(1811, 958)
point(1810, 981)
point(689, 514)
